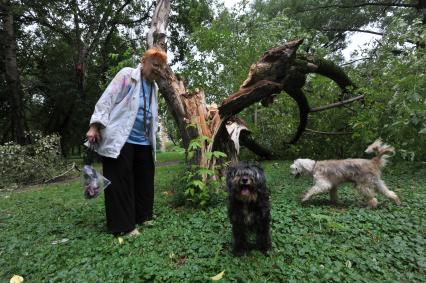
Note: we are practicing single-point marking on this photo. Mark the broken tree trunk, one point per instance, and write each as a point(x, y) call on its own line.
point(279, 70)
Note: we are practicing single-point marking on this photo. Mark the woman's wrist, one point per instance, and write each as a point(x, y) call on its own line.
point(96, 126)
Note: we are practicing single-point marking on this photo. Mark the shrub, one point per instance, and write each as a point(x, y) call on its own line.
point(29, 164)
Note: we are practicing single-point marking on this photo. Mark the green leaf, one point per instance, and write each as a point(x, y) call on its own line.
point(198, 183)
point(190, 154)
point(194, 144)
point(191, 126)
point(218, 154)
point(207, 171)
point(204, 138)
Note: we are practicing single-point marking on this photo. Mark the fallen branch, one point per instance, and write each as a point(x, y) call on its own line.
point(337, 104)
point(330, 70)
point(357, 60)
point(248, 96)
point(73, 167)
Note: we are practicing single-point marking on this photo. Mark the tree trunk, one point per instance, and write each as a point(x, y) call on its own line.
point(12, 75)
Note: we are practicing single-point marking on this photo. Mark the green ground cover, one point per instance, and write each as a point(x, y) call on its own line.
point(52, 234)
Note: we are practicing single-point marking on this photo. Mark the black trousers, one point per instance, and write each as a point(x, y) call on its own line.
point(129, 199)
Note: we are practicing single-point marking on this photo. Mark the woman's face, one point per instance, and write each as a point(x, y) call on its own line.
point(151, 68)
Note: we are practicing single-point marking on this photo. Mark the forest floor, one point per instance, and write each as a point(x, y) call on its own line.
point(53, 234)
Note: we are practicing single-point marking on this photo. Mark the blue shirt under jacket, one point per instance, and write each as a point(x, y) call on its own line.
point(139, 133)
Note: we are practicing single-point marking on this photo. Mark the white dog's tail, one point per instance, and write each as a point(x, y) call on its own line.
point(380, 149)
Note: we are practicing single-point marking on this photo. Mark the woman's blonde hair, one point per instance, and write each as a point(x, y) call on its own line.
point(155, 52)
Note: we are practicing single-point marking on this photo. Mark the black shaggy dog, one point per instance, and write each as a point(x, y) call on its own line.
point(249, 207)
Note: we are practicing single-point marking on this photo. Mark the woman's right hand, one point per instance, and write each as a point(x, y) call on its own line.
point(93, 135)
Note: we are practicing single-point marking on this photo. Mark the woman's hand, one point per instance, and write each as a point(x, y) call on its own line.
point(93, 135)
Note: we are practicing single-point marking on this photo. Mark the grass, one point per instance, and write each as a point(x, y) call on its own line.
point(313, 243)
point(172, 156)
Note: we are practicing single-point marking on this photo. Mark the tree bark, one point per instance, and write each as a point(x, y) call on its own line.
point(12, 75)
point(157, 33)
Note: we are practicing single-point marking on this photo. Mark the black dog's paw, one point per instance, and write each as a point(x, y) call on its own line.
point(265, 253)
point(239, 252)
point(264, 248)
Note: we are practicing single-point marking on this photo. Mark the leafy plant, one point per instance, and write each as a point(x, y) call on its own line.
point(199, 184)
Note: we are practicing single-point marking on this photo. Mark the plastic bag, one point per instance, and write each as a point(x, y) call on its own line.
point(94, 182)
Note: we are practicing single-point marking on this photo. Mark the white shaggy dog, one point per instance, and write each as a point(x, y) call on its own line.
point(364, 173)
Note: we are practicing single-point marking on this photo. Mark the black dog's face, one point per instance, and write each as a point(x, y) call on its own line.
point(244, 188)
point(243, 181)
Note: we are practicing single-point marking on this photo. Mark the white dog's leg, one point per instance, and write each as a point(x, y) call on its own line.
point(369, 194)
point(333, 195)
point(372, 203)
point(319, 188)
point(383, 189)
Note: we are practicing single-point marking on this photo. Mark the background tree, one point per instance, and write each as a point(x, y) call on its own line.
point(67, 52)
point(337, 20)
point(85, 33)
point(13, 102)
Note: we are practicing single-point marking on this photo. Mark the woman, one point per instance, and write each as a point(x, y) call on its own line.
point(123, 129)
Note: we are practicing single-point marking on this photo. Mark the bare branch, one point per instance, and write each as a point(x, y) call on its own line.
point(141, 19)
point(137, 21)
point(328, 133)
point(353, 30)
point(337, 104)
point(45, 23)
point(357, 60)
point(380, 4)
point(102, 25)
